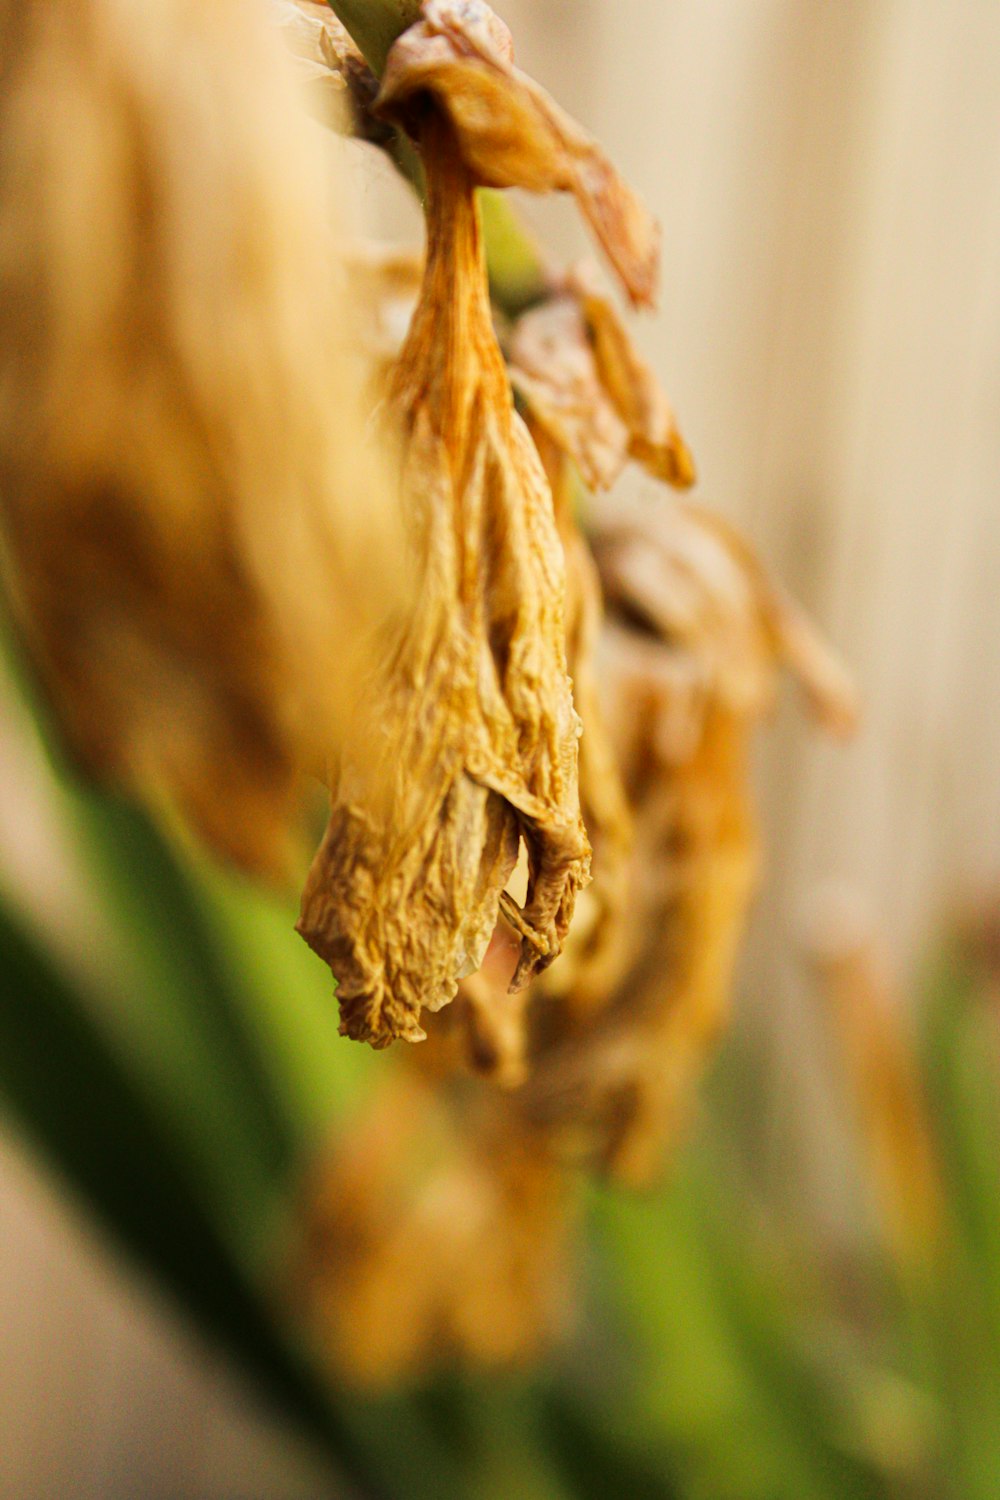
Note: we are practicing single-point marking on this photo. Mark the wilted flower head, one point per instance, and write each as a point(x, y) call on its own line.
point(434, 1236)
point(473, 728)
point(396, 1272)
point(185, 505)
point(688, 666)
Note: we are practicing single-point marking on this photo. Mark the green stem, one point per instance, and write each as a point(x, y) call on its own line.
point(375, 25)
point(518, 275)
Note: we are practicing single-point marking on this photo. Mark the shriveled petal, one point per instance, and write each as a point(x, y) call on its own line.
point(697, 582)
point(400, 914)
point(429, 1237)
point(583, 970)
point(480, 750)
point(553, 370)
point(512, 134)
point(574, 363)
point(654, 439)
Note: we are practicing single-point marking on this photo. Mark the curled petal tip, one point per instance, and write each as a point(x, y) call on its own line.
point(513, 134)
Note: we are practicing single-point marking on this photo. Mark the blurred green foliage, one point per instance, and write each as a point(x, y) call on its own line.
point(183, 1075)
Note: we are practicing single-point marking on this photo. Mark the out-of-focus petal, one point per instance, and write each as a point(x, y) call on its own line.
point(573, 362)
point(187, 509)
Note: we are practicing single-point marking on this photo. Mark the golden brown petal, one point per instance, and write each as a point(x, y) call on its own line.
point(186, 508)
point(573, 362)
point(553, 370)
point(512, 134)
point(693, 578)
point(654, 438)
point(582, 971)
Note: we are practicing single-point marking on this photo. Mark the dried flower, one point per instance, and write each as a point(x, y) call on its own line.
point(512, 134)
point(473, 728)
point(434, 1237)
point(184, 501)
point(687, 664)
point(462, 1253)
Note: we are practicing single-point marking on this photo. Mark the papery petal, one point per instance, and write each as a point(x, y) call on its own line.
point(513, 134)
point(573, 362)
point(654, 438)
point(697, 581)
point(553, 370)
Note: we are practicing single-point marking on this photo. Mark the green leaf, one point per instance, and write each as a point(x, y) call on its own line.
point(73, 1098)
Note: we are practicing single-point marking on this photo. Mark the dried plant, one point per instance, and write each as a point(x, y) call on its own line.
point(549, 752)
point(474, 731)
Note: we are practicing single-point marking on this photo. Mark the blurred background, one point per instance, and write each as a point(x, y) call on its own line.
point(828, 181)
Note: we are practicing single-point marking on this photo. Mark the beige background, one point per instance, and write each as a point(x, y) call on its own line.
point(828, 176)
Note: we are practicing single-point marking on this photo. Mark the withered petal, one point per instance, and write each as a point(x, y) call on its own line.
point(573, 362)
point(552, 368)
point(654, 437)
point(696, 581)
point(513, 134)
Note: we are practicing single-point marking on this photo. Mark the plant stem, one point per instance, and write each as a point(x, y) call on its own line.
point(375, 25)
point(517, 269)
